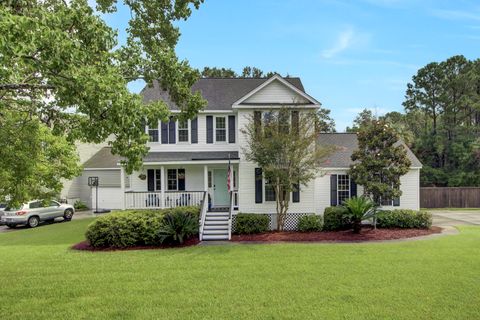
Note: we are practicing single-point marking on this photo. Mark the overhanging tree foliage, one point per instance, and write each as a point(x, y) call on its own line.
point(62, 70)
point(283, 143)
point(380, 161)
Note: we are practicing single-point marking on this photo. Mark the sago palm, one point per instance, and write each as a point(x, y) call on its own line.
point(358, 209)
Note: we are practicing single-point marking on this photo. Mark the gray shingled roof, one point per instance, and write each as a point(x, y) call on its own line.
point(220, 93)
point(190, 156)
point(345, 144)
point(105, 159)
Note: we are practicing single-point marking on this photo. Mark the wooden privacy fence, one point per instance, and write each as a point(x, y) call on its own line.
point(450, 197)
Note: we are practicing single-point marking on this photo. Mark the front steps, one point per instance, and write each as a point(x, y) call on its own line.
point(216, 226)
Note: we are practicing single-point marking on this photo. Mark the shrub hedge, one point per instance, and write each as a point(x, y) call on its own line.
point(132, 227)
point(248, 223)
point(309, 223)
point(402, 218)
point(335, 218)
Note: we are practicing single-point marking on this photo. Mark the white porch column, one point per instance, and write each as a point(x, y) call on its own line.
point(162, 186)
point(122, 188)
point(205, 178)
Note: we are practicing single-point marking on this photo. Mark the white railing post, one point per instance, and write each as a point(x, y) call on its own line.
point(162, 187)
point(122, 187)
point(203, 214)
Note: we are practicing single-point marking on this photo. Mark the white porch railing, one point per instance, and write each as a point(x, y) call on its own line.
point(203, 215)
point(167, 199)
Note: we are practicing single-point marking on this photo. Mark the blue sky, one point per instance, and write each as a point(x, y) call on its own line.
point(350, 55)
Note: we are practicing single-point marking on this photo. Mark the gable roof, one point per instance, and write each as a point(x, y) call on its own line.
point(345, 144)
point(220, 93)
point(278, 78)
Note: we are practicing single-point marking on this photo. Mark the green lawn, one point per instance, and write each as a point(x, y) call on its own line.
point(431, 279)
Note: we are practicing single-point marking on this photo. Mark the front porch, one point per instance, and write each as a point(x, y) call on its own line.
point(175, 185)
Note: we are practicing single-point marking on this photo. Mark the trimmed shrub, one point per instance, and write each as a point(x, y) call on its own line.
point(309, 223)
point(248, 223)
point(336, 218)
point(402, 218)
point(132, 227)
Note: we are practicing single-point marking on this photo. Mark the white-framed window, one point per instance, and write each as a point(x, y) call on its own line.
point(153, 132)
point(343, 188)
point(183, 131)
point(158, 179)
point(269, 191)
point(175, 179)
point(220, 129)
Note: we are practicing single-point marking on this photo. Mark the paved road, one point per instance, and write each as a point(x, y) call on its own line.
point(455, 217)
point(76, 216)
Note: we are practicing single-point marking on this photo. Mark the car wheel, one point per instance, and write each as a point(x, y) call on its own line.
point(68, 214)
point(33, 222)
point(11, 226)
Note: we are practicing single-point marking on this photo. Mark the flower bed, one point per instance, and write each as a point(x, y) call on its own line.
point(367, 234)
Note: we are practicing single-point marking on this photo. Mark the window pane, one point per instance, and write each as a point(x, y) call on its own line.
point(269, 191)
point(158, 179)
point(153, 135)
point(221, 135)
point(220, 122)
point(183, 135)
point(172, 179)
point(183, 124)
point(343, 187)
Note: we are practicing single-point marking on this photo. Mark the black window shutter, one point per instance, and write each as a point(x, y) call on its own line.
point(295, 121)
point(231, 129)
point(396, 202)
point(194, 130)
point(258, 185)
point(164, 132)
point(296, 193)
point(171, 131)
point(181, 179)
point(333, 190)
point(353, 188)
point(151, 180)
point(257, 121)
point(209, 129)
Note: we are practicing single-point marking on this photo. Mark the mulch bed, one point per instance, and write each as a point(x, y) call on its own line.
point(84, 245)
point(367, 234)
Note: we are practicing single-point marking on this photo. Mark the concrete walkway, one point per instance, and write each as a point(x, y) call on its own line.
point(445, 217)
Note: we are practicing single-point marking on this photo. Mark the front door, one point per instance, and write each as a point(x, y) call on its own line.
point(220, 191)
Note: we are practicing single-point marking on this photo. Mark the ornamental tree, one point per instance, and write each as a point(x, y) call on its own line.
point(380, 161)
point(63, 72)
point(283, 143)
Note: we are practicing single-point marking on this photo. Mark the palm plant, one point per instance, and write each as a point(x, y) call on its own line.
point(177, 227)
point(359, 209)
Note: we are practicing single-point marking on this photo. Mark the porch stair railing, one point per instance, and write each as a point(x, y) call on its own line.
point(203, 215)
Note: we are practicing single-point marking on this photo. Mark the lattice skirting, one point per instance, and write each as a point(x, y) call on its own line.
point(291, 220)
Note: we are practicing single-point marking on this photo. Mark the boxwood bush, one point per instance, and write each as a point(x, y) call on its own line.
point(309, 223)
point(402, 218)
point(335, 218)
point(248, 223)
point(132, 227)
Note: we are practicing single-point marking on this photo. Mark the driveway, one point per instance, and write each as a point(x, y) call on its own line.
point(76, 216)
point(445, 217)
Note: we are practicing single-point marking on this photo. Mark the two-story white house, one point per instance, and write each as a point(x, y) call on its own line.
point(188, 160)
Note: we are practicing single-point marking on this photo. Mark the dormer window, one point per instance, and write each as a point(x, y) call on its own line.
point(220, 129)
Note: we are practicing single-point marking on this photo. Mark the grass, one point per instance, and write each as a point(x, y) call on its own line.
point(432, 279)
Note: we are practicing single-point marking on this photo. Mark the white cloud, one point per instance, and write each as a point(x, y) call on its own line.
point(344, 41)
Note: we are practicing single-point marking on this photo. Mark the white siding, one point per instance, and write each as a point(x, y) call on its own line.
point(202, 144)
point(276, 92)
point(247, 183)
point(410, 187)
